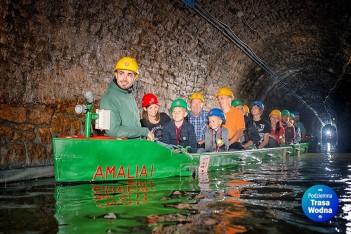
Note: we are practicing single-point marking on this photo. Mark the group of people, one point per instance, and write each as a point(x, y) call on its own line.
point(228, 127)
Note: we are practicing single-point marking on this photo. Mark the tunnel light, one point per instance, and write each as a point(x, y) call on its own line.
point(328, 132)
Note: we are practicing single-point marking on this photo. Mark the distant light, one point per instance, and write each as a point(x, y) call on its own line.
point(328, 132)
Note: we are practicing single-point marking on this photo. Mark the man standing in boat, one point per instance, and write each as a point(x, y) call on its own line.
point(118, 98)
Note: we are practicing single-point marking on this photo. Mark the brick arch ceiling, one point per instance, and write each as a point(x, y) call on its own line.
point(306, 47)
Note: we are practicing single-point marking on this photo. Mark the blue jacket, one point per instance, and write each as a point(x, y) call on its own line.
point(187, 135)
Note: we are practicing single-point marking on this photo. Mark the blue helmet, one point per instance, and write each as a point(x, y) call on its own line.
point(217, 112)
point(257, 103)
point(295, 113)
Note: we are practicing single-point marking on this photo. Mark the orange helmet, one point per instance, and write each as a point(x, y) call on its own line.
point(148, 100)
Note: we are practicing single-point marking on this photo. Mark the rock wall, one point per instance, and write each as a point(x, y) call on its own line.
point(52, 52)
point(55, 51)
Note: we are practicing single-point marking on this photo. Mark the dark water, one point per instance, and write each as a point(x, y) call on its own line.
point(264, 198)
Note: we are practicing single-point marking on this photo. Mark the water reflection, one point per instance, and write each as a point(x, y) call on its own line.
point(121, 207)
point(254, 198)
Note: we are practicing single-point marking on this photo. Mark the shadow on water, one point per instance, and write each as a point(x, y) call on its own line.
point(256, 198)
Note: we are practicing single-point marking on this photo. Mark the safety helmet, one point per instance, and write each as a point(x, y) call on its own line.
point(295, 113)
point(196, 95)
point(237, 102)
point(178, 103)
point(276, 113)
point(127, 63)
point(148, 100)
point(257, 103)
point(217, 112)
point(225, 91)
point(292, 116)
point(285, 113)
point(246, 109)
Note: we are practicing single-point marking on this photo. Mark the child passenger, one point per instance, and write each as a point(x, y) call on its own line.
point(151, 117)
point(216, 137)
point(178, 131)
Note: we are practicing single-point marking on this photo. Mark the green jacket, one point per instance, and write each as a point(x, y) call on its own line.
point(125, 119)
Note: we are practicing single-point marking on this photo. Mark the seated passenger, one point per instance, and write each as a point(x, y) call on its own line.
point(300, 124)
point(285, 118)
point(277, 133)
point(216, 137)
point(262, 126)
point(288, 127)
point(198, 118)
point(235, 122)
point(297, 137)
point(151, 116)
point(178, 131)
point(251, 137)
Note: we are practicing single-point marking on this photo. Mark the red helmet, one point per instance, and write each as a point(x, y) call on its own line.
point(148, 100)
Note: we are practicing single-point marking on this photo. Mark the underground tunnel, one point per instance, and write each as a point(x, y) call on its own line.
point(291, 55)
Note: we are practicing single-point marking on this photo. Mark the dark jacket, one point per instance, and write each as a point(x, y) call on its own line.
point(251, 132)
point(187, 135)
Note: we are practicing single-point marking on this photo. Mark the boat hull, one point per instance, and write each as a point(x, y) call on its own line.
point(101, 160)
point(94, 160)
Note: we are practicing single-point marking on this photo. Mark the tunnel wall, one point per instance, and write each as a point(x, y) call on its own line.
point(52, 52)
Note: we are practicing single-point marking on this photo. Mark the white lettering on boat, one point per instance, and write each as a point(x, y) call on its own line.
point(107, 172)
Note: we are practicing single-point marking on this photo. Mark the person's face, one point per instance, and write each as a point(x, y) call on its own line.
point(274, 119)
point(178, 114)
point(224, 101)
point(285, 118)
point(240, 108)
point(297, 117)
point(292, 121)
point(214, 122)
point(195, 106)
point(152, 110)
point(125, 78)
point(255, 110)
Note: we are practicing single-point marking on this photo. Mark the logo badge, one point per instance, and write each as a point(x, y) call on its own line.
point(320, 203)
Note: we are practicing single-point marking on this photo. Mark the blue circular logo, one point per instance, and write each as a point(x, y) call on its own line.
point(320, 203)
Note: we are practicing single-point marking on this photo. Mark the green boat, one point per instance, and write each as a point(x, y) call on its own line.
point(107, 159)
point(86, 159)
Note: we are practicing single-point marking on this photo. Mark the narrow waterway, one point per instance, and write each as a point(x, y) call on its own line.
point(257, 198)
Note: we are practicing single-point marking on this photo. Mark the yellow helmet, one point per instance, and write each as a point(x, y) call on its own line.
point(225, 91)
point(246, 109)
point(196, 95)
point(276, 113)
point(127, 63)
